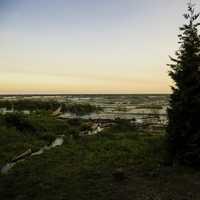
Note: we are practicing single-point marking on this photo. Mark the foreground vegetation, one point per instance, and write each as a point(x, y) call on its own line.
point(120, 163)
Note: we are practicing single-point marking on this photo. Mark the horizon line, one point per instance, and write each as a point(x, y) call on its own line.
point(66, 94)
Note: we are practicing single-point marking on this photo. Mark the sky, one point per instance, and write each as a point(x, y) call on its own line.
point(88, 46)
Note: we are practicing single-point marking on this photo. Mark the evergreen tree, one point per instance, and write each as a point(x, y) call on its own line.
point(184, 110)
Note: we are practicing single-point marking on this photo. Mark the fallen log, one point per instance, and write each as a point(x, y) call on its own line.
point(21, 156)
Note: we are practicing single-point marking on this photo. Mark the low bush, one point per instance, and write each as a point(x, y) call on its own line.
point(19, 121)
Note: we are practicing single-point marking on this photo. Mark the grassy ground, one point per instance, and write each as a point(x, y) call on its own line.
point(87, 168)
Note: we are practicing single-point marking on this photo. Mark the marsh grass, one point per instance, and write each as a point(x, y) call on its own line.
point(83, 167)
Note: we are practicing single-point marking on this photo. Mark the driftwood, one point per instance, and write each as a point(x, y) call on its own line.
point(57, 111)
point(21, 156)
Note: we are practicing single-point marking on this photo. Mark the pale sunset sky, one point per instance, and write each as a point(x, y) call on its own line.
point(88, 46)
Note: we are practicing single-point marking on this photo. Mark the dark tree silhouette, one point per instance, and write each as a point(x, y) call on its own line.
point(184, 110)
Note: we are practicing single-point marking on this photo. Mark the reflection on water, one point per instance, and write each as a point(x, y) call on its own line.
point(131, 112)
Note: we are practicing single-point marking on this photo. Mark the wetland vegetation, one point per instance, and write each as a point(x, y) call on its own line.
point(126, 159)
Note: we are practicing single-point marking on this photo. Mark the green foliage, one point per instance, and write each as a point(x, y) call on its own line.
point(184, 126)
point(39, 105)
point(41, 125)
point(121, 125)
point(19, 121)
point(82, 168)
point(31, 105)
point(80, 109)
point(14, 142)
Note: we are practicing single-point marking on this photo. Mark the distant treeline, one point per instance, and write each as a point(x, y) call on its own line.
point(34, 105)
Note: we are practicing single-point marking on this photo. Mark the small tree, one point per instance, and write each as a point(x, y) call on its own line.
point(184, 111)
